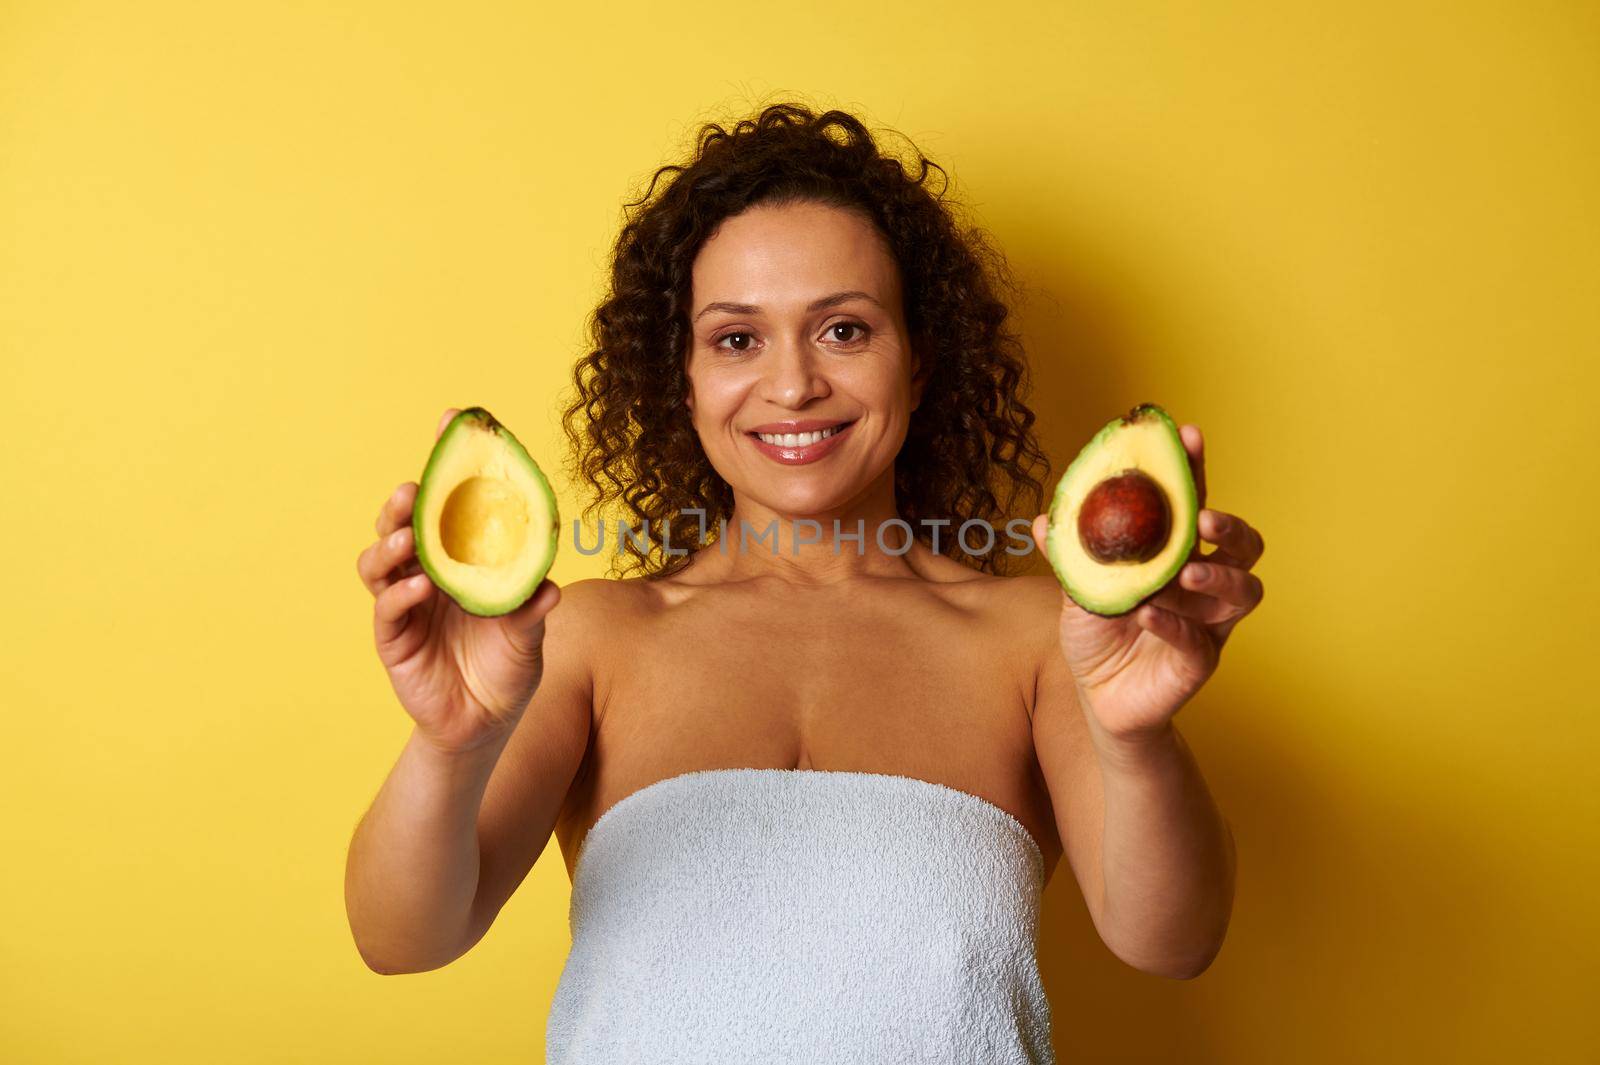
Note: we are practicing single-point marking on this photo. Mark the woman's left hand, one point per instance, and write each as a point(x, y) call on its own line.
point(1135, 671)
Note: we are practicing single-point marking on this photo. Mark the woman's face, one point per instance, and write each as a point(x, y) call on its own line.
point(800, 370)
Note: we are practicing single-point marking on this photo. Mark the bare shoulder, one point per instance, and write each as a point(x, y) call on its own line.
point(1024, 606)
point(1020, 617)
point(593, 605)
point(579, 630)
point(603, 612)
point(1034, 592)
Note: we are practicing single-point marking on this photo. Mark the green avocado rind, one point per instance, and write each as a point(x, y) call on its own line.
point(1189, 531)
point(469, 420)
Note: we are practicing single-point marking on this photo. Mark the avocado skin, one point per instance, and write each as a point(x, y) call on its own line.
point(1188, 531)
point(479, 418)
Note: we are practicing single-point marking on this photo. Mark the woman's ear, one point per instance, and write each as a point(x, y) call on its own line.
point(919, 379)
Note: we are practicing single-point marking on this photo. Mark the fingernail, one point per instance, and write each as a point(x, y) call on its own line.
point(398, 537)
point(1201, 571)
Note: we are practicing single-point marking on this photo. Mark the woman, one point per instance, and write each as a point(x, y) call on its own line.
point(808, 787)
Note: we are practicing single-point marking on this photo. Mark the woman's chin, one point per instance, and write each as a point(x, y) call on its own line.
point(803, 506)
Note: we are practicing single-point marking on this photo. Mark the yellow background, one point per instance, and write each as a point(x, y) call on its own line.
point(248, 253)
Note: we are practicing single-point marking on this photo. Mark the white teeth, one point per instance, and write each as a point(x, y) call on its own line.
point(797, 439)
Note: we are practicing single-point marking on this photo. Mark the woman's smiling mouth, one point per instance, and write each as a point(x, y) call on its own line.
point(800, 442)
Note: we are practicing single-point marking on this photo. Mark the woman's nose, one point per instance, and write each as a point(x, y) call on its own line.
point(793, 376)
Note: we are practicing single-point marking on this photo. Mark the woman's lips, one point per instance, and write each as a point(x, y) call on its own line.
point(799, 455)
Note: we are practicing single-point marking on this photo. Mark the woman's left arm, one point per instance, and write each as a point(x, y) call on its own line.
point(1151, 850)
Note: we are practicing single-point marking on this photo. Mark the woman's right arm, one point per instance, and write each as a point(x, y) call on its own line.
point(501, 708)
point(412, 869)
point(451, 836)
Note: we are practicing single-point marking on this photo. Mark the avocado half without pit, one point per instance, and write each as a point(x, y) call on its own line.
point(1125, 516)
point(485, 518)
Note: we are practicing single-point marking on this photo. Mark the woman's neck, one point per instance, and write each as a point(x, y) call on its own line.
point(872, 540)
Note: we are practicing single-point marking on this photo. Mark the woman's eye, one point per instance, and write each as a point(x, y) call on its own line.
point(740, 342)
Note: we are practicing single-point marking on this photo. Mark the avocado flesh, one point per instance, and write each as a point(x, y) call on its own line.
point(1145, 439)
point(485, 518)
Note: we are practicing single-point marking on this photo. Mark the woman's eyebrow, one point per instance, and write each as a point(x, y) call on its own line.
point(815, 305)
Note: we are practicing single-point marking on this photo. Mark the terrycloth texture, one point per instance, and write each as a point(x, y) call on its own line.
point(801, 915)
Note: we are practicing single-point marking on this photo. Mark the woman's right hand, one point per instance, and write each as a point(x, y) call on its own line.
point(464, 679)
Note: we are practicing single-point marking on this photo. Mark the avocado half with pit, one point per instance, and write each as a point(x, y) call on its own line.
point(485, 518)
point(1125, 517)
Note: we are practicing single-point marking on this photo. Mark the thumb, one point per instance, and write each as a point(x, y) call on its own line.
point(524, 626)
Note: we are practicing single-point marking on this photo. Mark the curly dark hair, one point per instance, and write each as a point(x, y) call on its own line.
point(630, 433)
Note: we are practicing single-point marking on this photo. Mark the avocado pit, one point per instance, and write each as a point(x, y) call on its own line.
point(1125, 518)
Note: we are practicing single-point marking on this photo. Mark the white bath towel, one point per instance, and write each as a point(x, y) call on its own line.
point(800, 915)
